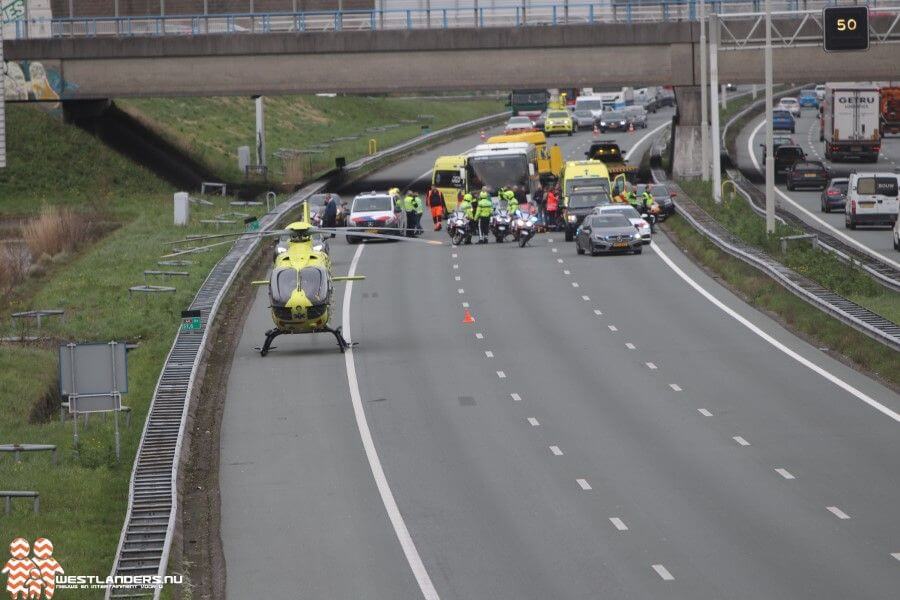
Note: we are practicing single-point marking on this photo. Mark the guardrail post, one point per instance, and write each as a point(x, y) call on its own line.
point(338, 20)
point(692, 10)
point(553, 20)
point(591, 14)
point(628, 12)
point(665, 10)
point(372, 20)
point(517, 17)
point(481, 17)
point(444, 11)
point(409, 19)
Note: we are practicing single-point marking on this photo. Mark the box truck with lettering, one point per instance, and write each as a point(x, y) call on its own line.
point(850, 123)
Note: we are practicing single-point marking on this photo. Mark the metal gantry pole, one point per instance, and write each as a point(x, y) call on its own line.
point(2, 107)
point(770, 158)
point(704, 102)
point(714, 105)
point(260, 132)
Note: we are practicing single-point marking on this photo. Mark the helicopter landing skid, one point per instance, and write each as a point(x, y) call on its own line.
point(271, 334)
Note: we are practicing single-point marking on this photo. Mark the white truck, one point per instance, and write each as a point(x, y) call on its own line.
point(850, 122)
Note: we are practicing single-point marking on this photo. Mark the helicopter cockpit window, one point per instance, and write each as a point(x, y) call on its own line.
point(314, 283)
point(282, 285)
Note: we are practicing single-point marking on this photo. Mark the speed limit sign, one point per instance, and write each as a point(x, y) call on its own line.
point(846, 28)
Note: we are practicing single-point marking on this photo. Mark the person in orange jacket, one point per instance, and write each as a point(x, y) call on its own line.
point(435, 201)
point(552, 207)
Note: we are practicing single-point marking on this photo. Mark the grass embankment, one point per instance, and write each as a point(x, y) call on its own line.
point(211, 129)
point(762, 291)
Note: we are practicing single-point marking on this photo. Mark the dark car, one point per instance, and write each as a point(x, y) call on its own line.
point(666, 97)
point(580, 203)
point(786, 156)
point(607, 233)
point(661, 196)
point(777, 142)
point(807, 174)
point(604, 150)
point(834, 196)
point(614, 120)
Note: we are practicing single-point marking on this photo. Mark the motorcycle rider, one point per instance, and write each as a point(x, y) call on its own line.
point(410, 206)
point(466, 206)
point(483, 212)
point(512, 204)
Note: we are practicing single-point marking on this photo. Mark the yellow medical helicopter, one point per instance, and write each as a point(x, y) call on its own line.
point(300, 284)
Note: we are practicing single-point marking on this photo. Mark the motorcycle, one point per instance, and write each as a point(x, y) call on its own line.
point(500, 225)
point(525, 226)
point(459, 228)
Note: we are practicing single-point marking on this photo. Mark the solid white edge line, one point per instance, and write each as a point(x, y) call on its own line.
point(384, 489)
point(800, 359)
point(644, 138)
point(813, 216)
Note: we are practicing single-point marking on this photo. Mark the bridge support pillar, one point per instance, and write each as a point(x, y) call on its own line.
point(687, 151)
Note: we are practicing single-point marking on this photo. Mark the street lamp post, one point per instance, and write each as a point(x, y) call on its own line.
point(714, 105)
point(704, 106)
point(770, 158)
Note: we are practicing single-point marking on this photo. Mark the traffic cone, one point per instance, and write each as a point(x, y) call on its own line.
point(596, 130)
point(468, 318)
point(631, 128)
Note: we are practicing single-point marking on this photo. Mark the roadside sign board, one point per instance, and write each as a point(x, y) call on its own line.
point(191, 320)
point(86, 369)
point(90, 404)
point(845, 28)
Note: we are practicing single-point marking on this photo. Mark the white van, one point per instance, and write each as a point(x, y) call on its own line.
point(593, 103)
point(872, 199)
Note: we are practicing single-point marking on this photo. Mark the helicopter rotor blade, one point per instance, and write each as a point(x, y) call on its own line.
point(377, 236)
point(196, 249)
point(214, 236)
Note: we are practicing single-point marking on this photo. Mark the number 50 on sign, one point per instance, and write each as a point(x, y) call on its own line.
point(845, 28)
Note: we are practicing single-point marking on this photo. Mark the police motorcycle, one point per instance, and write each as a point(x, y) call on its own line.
point(500, 224)
point(459, 228)
point(524, 227)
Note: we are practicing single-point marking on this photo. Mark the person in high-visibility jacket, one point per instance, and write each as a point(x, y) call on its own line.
point(512, 204)
point(410, 207)
point(420, 208)
point(633, 200)
point(465, 205)
point(483, 212)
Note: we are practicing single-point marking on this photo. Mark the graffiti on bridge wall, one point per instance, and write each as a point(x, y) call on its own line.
point(12, 10)
point(28, 80)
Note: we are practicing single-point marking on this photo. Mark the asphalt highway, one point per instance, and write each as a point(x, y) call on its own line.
point(806, 204)
point(609, 427)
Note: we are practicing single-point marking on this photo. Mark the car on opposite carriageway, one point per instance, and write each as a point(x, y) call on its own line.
point(807, 174)
point(607, 233)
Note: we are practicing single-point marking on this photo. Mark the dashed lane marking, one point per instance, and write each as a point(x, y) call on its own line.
point(479, 335)
point(567, 272)
point(575, 284)
point(556, 451)
point(461, 291)
point(675, 387)
point(465, 305)
point(559, 260)
point(663, 572)
point(598, 312)
point(489, 354)
point(629, 345)
point(837, 512)
point(584, 484)
point(516, 397)
point(651, 366)
point(586, 298)
point(454, 255)
point(704, 412)
point(455, 266)
point(613, 328)
point(501, 374)
point(896, 555)
point(533, 422)
point(741, 441)
point(619, 523)
point(784, 473)
point(552, 249)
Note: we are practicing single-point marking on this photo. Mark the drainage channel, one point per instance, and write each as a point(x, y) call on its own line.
point(854, 315)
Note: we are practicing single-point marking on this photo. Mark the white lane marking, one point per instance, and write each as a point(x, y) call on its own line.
point(704, 412)
point(837, 512)
point(619, 524)
point(566, 272)
point(501, 374)
point(811, 215)
point(741, 440)
point(896, 555)
point(612, 328)
point(586, 298)
point(533, 422)
point(663, 572)
point(489, 354)
point(598, 312)
point(629, 345)
point(461, 291)
point(584, 484)
point(803, 361)
point(465, 305)
point(644, 138)
point(556, 451)
point(675, 387)
point(784, 473)
point(384, 489)
point(453, 255)
point(559, 260)
point(455, 266)
point(479, 335)
point(516, 397)
point(552, 249)
point(574, 284)
point(457, 278)
point(549, 240)
point(651, 366)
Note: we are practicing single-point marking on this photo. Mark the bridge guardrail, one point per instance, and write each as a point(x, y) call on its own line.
point(152, 514)
point(522, 15)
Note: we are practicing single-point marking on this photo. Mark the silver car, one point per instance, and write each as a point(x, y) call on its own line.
point(584, 119)
point(607, 233)
point(637, 115)
point(376, 212)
